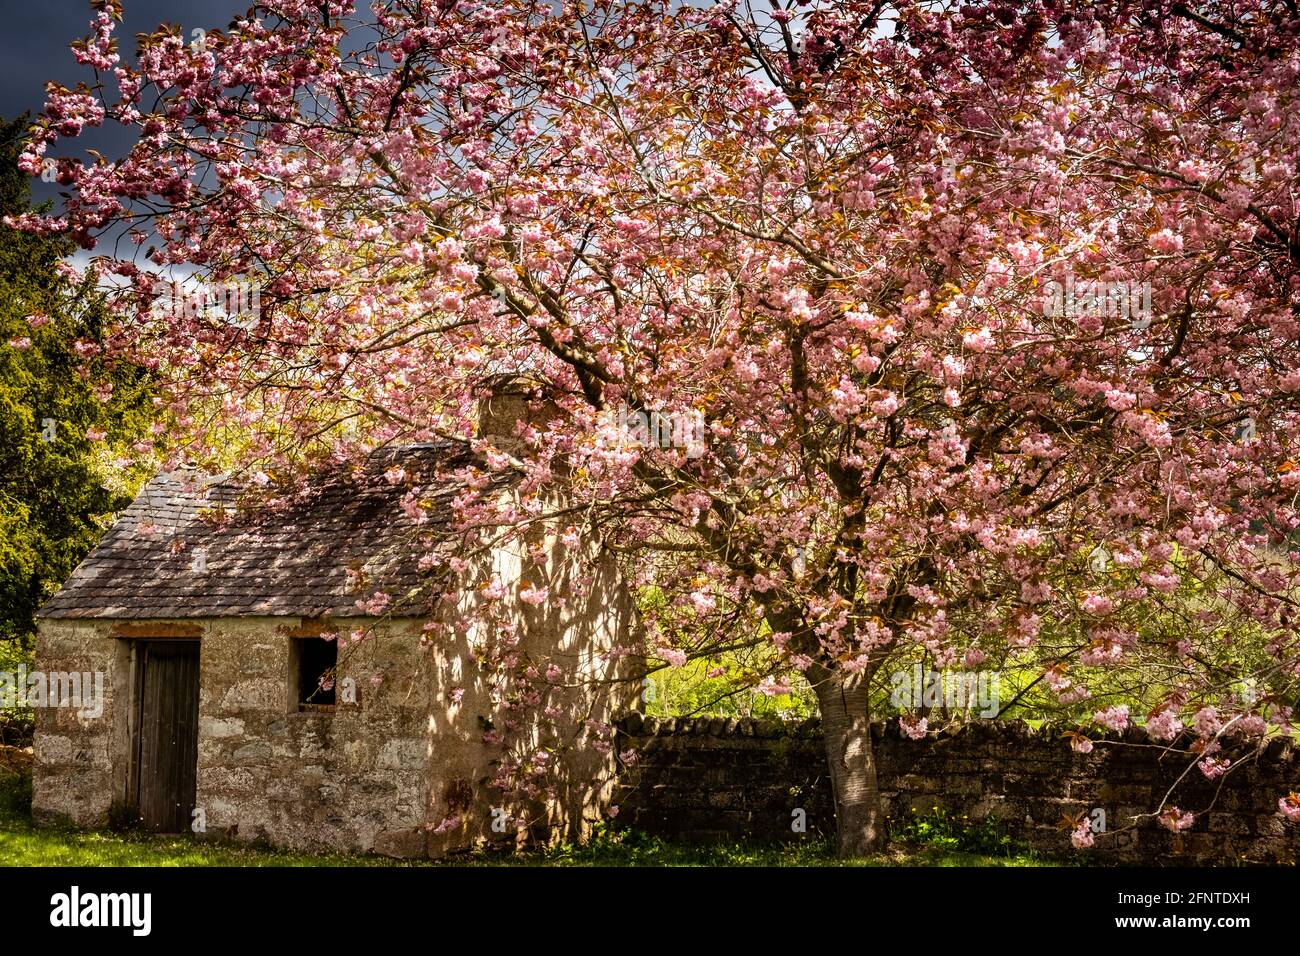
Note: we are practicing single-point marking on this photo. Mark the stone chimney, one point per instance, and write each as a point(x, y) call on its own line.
point(506, 402)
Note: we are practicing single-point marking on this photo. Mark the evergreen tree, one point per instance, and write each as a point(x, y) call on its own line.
point(60, 481)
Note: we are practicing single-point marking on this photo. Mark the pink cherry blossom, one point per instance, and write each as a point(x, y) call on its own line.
point(913, 728)
point(533, 595)
point(1289, 807)
point(1206, 722)
point(1113, 718)
point(1164, 725)
point(674, 656)
point(1081, 836)
point(1176, 820)
point(830, 240)
point(1166, 241)
point(375, 605)
point(1213, 767)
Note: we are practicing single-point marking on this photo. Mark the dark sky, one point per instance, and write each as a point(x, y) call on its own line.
point(34, 50)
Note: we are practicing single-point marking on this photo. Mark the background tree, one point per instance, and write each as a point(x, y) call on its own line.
point(830, 229)
point(68, 415)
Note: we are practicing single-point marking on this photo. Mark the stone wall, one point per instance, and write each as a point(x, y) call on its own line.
point(75, 778)
point(714, 779)
point(340, 780)
point(265, 770)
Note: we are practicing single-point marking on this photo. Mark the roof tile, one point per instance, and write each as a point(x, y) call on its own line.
point(288, 561)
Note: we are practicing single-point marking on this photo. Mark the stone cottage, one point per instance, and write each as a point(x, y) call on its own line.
point(228, 713)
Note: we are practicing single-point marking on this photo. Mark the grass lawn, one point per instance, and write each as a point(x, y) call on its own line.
point(21, 844)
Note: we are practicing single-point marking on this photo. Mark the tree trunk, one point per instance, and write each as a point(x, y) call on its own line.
point(846, 728)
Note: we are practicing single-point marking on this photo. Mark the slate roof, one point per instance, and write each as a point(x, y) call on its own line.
point(288, 561)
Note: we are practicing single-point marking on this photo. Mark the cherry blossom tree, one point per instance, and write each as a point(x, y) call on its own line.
point(989, 312)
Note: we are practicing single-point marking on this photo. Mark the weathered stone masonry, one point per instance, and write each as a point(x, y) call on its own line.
point(373, 775)
point(713, 779)
point(265, 772)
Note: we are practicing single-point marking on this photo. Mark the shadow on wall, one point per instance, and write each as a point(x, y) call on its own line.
point(575, 792)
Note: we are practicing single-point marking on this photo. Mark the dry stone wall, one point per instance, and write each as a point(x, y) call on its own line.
point(714, 779)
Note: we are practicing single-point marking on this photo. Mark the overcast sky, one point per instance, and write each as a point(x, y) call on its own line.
point(34, 50)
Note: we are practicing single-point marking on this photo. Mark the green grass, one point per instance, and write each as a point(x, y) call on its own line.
point(634, 849)
point(22, 844)
point(938, 830)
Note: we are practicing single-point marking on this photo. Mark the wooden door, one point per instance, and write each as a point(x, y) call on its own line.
point(167, 733)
